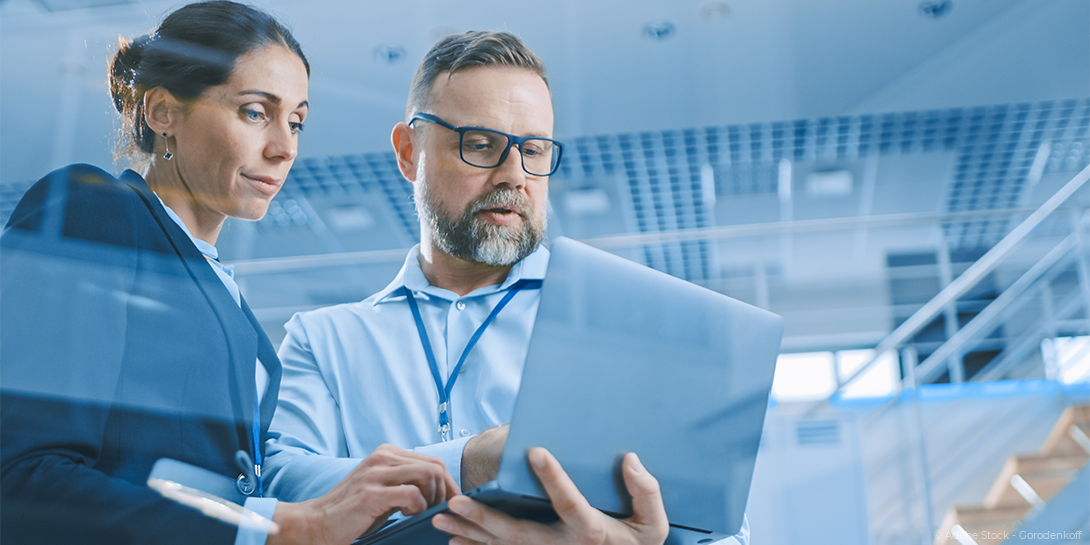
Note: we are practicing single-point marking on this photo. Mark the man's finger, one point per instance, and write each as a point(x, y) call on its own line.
point(461, 527)
point(455, 540)
point(396, 457)
point(423, 478)
point(451, 488)
point(567, 501)
point(647, 508)
point(499, 527)
point(406, 499)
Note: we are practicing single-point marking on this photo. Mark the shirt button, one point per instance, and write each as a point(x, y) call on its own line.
point(460, 305)
point(465, 433)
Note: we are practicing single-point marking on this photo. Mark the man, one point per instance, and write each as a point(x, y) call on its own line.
point(434, 361)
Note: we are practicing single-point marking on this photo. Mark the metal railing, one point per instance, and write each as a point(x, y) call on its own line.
point(931, 368)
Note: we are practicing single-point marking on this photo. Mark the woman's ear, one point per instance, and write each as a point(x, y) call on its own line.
point(403, 139)
point(161, 110)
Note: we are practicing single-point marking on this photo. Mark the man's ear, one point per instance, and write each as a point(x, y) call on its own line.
point(162, 110)
point(402, 138)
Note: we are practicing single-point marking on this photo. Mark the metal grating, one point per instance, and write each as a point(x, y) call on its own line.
point(995, 159)
point(659, 174)
point(995, 145)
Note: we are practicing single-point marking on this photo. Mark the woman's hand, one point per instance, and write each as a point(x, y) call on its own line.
point(473, 523)
point(390, 479)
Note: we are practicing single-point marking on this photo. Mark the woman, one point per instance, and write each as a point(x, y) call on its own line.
point(125, 341)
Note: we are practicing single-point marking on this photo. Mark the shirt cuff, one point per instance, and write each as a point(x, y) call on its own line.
point(450, 452)
point(257, 536)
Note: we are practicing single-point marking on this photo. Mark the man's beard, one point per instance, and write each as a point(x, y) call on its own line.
point(474, 239)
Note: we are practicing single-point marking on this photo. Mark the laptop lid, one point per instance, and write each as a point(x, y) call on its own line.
point(626, 358)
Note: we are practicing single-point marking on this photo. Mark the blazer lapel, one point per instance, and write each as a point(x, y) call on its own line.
point(241, 335)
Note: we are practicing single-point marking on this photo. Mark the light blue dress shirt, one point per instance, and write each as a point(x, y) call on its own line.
point(226, 273)
point(355, 376)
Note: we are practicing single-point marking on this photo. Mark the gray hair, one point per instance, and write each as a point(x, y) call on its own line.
point(469, 50)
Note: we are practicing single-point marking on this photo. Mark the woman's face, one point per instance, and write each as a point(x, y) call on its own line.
point(236, 142)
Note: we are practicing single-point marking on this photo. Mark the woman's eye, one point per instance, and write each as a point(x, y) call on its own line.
point(253, 115)
point(296, 127)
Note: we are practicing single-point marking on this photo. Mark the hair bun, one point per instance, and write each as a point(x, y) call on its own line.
point(123, 71)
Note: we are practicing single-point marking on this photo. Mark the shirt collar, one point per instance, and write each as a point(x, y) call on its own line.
point(207, 250)
point(532, 267)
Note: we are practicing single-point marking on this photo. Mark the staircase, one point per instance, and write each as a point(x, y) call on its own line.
point(1024, 485)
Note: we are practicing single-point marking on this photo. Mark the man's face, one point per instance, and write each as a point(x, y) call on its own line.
point(493, 216)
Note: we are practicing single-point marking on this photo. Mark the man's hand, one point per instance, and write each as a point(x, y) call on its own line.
point(473, 523)
point(389, 480)
point(481, 457)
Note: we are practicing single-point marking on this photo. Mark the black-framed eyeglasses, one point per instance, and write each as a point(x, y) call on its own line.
point(488, 148)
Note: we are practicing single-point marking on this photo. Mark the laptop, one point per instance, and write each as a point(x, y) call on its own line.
point(624, 358)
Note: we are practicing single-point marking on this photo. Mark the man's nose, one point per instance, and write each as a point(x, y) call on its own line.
point(510, 171)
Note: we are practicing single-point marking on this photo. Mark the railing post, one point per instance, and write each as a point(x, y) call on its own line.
point(1048, 357)
point(1082, 262)
point(951, 324)
point(909, 360)
point(918, 447)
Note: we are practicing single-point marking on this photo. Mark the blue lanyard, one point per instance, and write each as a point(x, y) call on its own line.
point(444, 391)
point(257, 442)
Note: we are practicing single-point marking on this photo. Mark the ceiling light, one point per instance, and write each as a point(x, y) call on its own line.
point(586, 202)
point(389, 53)
point(350, 218)
point(658, 30)
point(936, 8)
point(834, 183)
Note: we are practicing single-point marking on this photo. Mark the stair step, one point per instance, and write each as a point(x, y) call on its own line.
point(1059, 441)
point(1045, 474)
point(984, 533)
point(970, 515)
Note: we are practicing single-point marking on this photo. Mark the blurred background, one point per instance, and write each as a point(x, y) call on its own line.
point(904, 181)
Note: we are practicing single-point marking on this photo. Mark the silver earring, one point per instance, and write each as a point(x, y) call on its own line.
point(168, 156)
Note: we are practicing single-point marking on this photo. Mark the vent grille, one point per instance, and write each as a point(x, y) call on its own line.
point(818, 432)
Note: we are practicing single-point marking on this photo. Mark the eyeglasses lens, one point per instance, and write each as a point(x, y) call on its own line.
point(484, 148)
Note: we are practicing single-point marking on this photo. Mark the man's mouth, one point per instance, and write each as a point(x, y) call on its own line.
point(500, 216)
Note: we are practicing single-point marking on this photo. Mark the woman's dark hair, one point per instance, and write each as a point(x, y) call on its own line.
point(194, 48)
